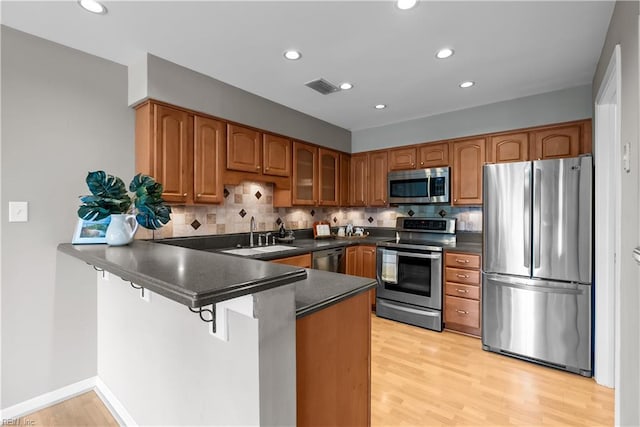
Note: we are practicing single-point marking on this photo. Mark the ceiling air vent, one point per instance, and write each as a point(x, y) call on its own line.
point(323, 86)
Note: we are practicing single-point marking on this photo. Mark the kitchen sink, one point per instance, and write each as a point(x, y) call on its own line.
point(258, 250)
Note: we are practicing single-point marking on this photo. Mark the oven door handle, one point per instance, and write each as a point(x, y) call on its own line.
point(418, 255)
point(407, 309)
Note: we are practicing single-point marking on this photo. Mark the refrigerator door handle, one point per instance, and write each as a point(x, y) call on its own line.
point(511, 282)
point(537, 217)
point(526, 217)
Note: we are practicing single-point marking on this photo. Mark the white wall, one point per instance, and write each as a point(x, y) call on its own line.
point(553, 107)
point(172, 83)
point(63, 113)
point(623, 30)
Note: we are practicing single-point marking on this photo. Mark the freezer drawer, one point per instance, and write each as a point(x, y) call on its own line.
point(543, 321)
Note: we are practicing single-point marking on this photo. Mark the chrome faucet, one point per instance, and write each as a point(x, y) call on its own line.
point(251, 230)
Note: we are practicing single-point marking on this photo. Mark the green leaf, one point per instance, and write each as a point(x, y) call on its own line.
point(103, 185)
point(152, 212)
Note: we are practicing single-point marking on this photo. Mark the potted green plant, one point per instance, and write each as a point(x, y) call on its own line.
point(109, 197)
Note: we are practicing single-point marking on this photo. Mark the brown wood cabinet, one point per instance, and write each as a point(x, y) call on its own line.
point(328, 177)
point(468, 159)
point(402, 158)
point(276, 155)
point(556, 142)
point(361, 261)
point(243, 149)
point(305, 171)
point(377, 178)
point(512, 147)
point(359, 179)
point(345, 179)
point(433, 155)
point(462, 300)
point(303, 261)
point(208, 160)
point(333, 365)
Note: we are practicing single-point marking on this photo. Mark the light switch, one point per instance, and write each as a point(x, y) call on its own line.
point(626, 157)
point(18, 211)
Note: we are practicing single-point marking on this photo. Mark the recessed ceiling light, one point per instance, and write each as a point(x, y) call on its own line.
point(93, 6)
point(380, 106)
point(467, 84)
point(444, 53)
point(346, 86)
point(406, 4)
point(292, 54)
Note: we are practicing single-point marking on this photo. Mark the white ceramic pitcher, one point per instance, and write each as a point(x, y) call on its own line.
point(121, 229)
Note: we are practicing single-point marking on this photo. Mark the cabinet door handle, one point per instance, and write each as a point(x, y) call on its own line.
point(413, 164)
point(421, 163)
point(266, 168)
point(184, 195)
point(462, 276)
point(462, 312)
point(258, 167)
point(198, 195)
point(462, 291)
point(462, 261)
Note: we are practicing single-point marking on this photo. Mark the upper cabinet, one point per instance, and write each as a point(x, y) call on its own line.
point(276, 155)
point(328, 177)
point(512, 147)
point(243, 149)
point(433, 155)
point(556, 142)
point(305, 171)
point(359, 179)
point(378, 178)
point(402, 158)
point(345, 179)
point(208, 160)
point(468, 159)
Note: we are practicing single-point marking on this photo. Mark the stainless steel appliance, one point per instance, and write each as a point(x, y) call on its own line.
point(329, 260)
point(537, 263)
point(409, 271)
point(419, 186)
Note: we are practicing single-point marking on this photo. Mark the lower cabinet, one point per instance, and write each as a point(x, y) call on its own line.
point(303, 261)
point(361, 261)
point(462, 299)
point(333, 365)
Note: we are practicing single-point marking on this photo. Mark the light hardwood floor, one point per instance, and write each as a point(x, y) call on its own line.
point(424, 378)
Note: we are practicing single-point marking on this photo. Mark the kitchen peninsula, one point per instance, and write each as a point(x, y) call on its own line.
point(158, 362)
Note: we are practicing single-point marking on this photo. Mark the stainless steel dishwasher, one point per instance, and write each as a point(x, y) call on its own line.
point(329, 260)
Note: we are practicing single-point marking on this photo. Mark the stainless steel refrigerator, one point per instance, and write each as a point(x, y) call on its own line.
point(537, 262)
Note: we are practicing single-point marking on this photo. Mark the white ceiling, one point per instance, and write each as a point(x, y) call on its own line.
point(510, 48)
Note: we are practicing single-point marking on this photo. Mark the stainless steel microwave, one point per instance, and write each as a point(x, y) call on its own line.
point(419, 186)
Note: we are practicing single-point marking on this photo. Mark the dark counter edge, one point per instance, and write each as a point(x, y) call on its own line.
point(169, 291)
point(334, 300)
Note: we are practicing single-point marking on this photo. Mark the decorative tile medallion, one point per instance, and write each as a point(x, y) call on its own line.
point(411, 212)
point(442, 213)
point(312, 212)
point(195, 224)
point(335, 219)
point(278, 221)
point(370, 219)
point(242, 213)
point(258, 195)
point(226, 193)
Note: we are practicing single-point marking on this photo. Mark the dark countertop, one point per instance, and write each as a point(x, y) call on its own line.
point(322, 289)
point(474, 248)
point(196, 278)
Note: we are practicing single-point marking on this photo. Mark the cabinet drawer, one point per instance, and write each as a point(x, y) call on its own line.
point(463, 291)
point(462, 260)
point(303, 261)
point(462, 311)
point(459, 275)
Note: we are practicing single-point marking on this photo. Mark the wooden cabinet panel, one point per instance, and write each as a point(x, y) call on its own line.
point(463, 291)
point(328, 177)
point(305, 189)
point(368, 261)
point(468, 159)
point(470, 277)
point(460, 260)
point(512, 147)
point(359, 179)
point(433, 155)
point(303, 261)
point(209, 135)
point(345, 179)
point(402, 158)
point(556, 142)
point(377, 179)
point(333, 365)
point(352, 267)
point(462, 311)
point(243, 149)
point(276, 155)
point(173, 148)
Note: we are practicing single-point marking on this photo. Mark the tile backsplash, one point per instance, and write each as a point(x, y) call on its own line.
point(249, 199)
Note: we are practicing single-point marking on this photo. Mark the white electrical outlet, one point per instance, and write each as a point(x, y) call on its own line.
point(18, 211)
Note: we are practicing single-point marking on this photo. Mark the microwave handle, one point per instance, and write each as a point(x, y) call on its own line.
point(418, 255)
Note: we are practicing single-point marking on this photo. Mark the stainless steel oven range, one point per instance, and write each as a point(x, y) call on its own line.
point(409, 271)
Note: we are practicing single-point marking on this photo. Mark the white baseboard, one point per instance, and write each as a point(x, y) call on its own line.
point(114, 405)
point(48, 399)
